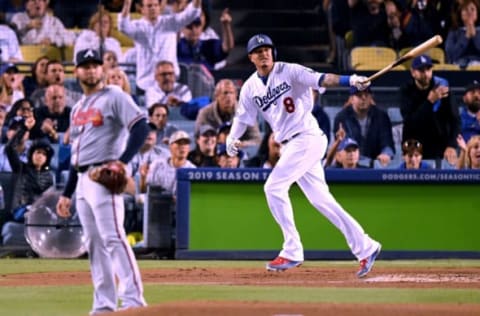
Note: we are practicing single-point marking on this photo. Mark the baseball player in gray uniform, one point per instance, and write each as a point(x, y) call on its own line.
point(98, 124)
point(282, 93)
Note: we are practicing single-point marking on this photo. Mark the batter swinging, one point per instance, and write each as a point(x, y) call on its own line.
point(281, 93)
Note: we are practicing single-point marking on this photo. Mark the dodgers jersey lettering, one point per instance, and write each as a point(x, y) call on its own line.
point(96, 121)
point(285, 101)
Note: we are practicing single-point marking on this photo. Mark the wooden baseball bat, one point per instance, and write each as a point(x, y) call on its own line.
point(414, 52)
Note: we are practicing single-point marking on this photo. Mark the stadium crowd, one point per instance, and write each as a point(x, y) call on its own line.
point(164, 54)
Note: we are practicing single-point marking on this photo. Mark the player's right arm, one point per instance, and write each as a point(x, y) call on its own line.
point(333, 80)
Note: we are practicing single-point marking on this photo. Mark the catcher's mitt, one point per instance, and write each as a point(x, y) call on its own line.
point(111, 175)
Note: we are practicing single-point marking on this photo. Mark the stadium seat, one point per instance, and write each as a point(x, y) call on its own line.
point(445, 67)
point(436, 53)
point(32, 52)
point(445, 165)
point(371, 58)
point(395, 115)
point(473, 68)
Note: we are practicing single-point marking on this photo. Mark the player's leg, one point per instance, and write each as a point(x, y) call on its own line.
point(293, 163)
point(105, 296)
point(109, 216)
point(316, 190)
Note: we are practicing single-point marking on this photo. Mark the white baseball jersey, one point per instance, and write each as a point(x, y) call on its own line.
point(285, 101)
point(96, 122)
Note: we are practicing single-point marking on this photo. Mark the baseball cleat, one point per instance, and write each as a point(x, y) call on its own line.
point(282, 264)
point(366, 264)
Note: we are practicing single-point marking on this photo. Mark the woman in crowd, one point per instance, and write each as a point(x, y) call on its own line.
point(412, 151)
point(469, 153)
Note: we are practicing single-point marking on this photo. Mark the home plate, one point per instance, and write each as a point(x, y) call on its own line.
point(424, 278)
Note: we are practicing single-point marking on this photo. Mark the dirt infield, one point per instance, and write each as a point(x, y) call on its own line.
point(302, 277)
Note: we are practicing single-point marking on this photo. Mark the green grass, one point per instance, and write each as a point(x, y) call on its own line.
point(76, 300)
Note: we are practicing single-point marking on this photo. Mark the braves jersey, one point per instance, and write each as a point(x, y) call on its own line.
point(98, 125)
point(285, 101)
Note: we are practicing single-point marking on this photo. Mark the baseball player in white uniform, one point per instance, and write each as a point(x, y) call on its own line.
point(98, 123)
point(282, 93)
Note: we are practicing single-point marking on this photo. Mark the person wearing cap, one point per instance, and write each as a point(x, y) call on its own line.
point(163, 171)
point(368, 125)
point(280, 93)
point(155, 35)
point(226, 161)
point(349, 151)
point(222, 110)
point(470, 112)
point(206, 142)
point(430, 114)
point(462, 45)
point(11, 86)
point(192, 49)
point(412, 154)
point(37, 26)
point(106, 127)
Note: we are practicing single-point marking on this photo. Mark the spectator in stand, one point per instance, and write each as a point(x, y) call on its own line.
point(118, 77)
point(268, 153)
point(226, 161)
point(32, 179)
point(206, 142)
point(99, 35)
point(53, 117)
point(110, 60)
point(429, 112)
point(350, 155)
point(11, 87)
point(423, 19)
point(75, 13)
point(368, 125)
point(191, 48)
point(36, 26)
point(469, 153)
point(55, 74)
point(334, 158)
point(22, 108)
point(470, 113)
point(222, 132)
point(369, 22)
point(222, 110)
point(4, 165)
point(37, 78)
point(158, 116)
point(137, 167)
point(167, 90)
point(397, 38)
point(412, 151)
point(23, 144)
point(163, 171)
point(9, 47)
point(462, 46)
point(340, 19)
point(148, 153)
point(147, 32)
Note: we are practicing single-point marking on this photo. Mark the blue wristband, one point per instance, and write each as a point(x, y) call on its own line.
point(344, 81)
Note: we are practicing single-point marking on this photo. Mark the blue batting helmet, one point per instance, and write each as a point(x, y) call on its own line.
point(260, 40)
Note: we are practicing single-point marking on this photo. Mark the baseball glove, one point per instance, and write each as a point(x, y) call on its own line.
point(111, 175)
